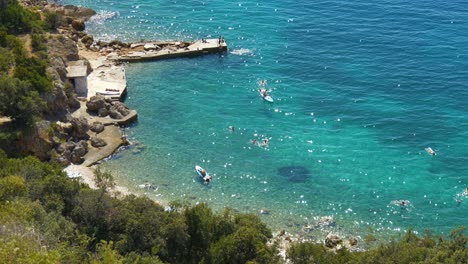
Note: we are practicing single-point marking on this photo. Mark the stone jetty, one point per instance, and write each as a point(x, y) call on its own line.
point(159, 50)
point(106, 84)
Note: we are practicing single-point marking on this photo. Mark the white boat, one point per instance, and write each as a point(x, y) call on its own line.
point(203, 174)
point(107, 93)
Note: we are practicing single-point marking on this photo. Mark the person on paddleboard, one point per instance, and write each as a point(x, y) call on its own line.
point(264, 92)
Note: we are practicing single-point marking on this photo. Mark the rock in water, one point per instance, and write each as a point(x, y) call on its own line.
point(332, 240)
point(294, 173)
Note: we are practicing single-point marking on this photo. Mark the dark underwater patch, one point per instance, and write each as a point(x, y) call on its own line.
point(294, 173)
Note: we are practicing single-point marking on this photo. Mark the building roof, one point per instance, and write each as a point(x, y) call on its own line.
point(78, 70)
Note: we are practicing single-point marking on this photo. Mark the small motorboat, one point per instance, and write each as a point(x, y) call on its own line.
point(108, 93)
point(203, 174)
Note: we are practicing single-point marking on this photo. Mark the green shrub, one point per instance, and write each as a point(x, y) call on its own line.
point(34, 71)
point(7, 59)
point(52, 20)
point(38, 42)
point(12, 187)
point(16, 19)
point(19, 100)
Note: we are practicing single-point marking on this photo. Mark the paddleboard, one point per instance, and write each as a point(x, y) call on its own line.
point(268, 98)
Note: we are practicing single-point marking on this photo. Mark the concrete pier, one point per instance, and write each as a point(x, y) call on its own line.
point(107, 79)
point(166, 50)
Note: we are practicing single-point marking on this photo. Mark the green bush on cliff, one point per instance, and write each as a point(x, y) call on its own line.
point(38, 42)
point(16, 20)
point(410, 248)
point(7, 60)
point(33, 70)
point(19, 100)
point(52, 20)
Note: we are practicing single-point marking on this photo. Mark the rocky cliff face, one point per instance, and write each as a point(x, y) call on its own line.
point(42, 138)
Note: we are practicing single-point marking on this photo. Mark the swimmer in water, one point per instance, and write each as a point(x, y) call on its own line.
point(430, 151)
point(231, 128)
point(263, 82)
point(207, 179)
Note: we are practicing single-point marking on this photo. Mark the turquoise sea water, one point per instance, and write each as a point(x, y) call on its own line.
point(360, 90)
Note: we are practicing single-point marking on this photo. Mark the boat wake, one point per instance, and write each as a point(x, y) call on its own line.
point(241, 51)
point(102, 16)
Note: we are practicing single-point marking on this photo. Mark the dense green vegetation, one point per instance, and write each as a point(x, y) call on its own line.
point(15, 19)
point(23, 75)
point(48, 217)
point(408, 249)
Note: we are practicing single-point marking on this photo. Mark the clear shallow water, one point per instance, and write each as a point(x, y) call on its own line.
point(360, 90)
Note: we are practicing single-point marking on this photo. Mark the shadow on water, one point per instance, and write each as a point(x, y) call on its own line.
point(294, 173)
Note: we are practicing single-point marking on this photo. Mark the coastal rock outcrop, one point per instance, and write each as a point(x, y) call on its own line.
point(333, 240)
point(113, 113)
point(97, 127)
point(38, 141)
point(98, 142)
point(95, 103)
point(103, 112)
point(63, 49)
point(71, 12)
point(353, 241)
point(80, 149)
point(78, 25)
point(60, 100)
point(80, 128)
point(57, 101)
point(87, 40)
point(121, 108)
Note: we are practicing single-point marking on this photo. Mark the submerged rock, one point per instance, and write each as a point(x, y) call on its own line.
point(326, 221)
point(294, 173)
point(353, 241)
